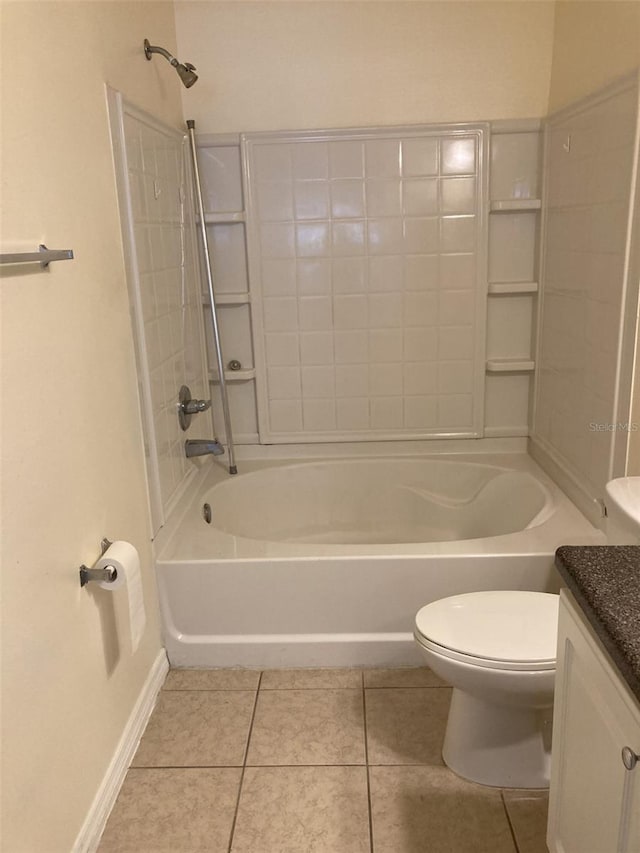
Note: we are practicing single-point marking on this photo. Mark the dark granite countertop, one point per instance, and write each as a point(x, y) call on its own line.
point(605, 580)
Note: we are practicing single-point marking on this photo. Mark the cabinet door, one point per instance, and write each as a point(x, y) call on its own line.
point(594, 800)
point(630, 823)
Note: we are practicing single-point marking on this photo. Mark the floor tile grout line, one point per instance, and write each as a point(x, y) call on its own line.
point(188, 767)
point(244, 765)
point(258, 766)
point(409, 687)
point(510, 824)
point(208, 689)
point(260, 687)
point(366, 687)
point(170, 692)
point(309, 689)
point(366, 760)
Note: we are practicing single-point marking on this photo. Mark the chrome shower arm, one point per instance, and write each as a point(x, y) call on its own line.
point(185, 70)
point(150, 49)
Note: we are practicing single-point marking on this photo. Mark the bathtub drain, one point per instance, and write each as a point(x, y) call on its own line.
point(206, 513)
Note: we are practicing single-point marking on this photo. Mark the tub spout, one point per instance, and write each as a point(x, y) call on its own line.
point(202, 446)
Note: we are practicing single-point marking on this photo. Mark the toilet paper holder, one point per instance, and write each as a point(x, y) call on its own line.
point(108, 573)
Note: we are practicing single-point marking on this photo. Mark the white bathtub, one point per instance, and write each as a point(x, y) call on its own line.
point(384, 501)
point(325, 561)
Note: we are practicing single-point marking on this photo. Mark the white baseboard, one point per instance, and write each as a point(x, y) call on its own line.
point(104, 800)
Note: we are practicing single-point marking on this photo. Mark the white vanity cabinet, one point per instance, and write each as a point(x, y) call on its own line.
point(594, 802)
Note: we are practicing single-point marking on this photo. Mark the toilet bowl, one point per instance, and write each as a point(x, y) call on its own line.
point(498, 651)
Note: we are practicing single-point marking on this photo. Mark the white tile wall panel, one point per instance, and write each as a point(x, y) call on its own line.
point(316, 347)
point(457, 270)
point(512, 246)
point(220, 176)
point(165, 291)
point(515, 165)
point(228, 256)
point(509, 327)
point(385, 345)
point(353, 414)
point(590, 153)
point(420, 196)
point(350, 195)
point(346, 160)
point(458, 157)
point(236, 344)
point(242, 403)
point(507, 404)
point(365, 249)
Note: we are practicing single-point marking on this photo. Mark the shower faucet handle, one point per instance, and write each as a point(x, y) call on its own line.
point(629, 757)
point(188, 407)
point(192, 407)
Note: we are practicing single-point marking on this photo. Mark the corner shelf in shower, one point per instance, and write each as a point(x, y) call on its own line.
point(510, 365)
point(505, 288)
point(225, 218)
point(245, 374)
point(515, 205)
point(228, 298)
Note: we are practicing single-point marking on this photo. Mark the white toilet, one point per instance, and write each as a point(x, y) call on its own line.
point(498, 651)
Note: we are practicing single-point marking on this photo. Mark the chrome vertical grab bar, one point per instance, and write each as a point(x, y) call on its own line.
point(191, 126)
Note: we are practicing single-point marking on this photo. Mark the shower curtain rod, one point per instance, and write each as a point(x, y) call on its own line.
point(191, 127)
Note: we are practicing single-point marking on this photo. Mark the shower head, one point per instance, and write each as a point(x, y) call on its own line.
point(185, 72)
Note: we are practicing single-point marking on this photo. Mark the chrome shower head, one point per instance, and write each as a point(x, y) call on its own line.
point(185, 72)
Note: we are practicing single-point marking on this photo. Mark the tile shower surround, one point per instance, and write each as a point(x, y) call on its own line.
point(169, 289)
point(365, 254)
point(590, 152)
point(513, 174)
point(310, 761)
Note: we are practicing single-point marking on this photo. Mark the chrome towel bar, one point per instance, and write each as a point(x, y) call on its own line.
point(43, 256)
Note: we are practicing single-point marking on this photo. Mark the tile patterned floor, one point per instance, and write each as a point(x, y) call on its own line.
point(310, 761)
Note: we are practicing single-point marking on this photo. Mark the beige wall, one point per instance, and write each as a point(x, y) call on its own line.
point(72, 466)
point(594, 42)
point(276, 65)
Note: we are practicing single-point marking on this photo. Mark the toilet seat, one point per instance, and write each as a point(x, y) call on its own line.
point(504, 629)
point(488, 663)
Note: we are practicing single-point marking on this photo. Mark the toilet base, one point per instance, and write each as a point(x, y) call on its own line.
point(498, 745)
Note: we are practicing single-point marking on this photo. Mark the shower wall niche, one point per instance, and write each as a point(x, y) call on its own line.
point(223, 197)
point(370, 284)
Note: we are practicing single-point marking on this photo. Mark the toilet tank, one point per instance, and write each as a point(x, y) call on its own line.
point(622, 500)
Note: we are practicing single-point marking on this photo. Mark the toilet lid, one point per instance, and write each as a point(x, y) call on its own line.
point(510, 626)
